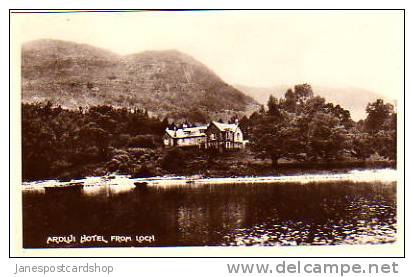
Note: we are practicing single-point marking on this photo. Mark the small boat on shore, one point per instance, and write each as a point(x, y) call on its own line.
point(140, 184)
point(72, 187)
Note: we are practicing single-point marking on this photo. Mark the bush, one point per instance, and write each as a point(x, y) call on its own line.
point(144, 141)
point(123, 140)
point(143, 172)
point(174, 160)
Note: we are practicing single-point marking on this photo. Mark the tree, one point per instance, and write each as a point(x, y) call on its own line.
point(378, 113)
point(303, 92)
point(276, 138)
point(289, 103)
point(262, 110)
point(381, 124)
point(344, 116)
point(385, 141)
point(326, 137)
point(164, 123)
point(301, 127)
point(57, 142)
point(91, 134)
point(313, 105)
point(273, 106)
point(244, 125)
point(361, 144)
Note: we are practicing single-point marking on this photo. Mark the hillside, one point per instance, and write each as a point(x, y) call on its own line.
point(167, 83)
point(353, 99)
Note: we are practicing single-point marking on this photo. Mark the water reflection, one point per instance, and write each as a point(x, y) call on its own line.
point(230, 215)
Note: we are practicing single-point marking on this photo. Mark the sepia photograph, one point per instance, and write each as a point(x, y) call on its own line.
point(226, 129)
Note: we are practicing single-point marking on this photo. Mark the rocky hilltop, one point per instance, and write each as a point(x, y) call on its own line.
point(167, 83)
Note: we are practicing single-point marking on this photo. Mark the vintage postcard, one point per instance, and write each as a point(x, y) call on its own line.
point(207, 133)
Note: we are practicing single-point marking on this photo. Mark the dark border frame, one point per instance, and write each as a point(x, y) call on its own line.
point(40, 11)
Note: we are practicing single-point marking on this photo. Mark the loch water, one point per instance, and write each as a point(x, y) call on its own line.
point(279, 214)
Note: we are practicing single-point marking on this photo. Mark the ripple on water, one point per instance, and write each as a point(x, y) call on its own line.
point(355, 229)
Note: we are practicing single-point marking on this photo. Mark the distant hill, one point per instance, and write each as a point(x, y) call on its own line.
point(167, 83)
point(353, 99)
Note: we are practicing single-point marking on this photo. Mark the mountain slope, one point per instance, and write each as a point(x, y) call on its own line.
point(167, 83)
point(353, 99)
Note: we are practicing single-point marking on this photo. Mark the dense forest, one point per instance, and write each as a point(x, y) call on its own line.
point(297, 128)
point(56, 141)
point(305, 128)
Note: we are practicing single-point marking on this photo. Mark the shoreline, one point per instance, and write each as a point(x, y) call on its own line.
point(369, 175)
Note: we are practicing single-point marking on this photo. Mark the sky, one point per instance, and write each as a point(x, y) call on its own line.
point(255, 48)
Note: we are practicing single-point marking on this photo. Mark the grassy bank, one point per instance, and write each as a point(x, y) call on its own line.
point(146, 162)
point(246, 163)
